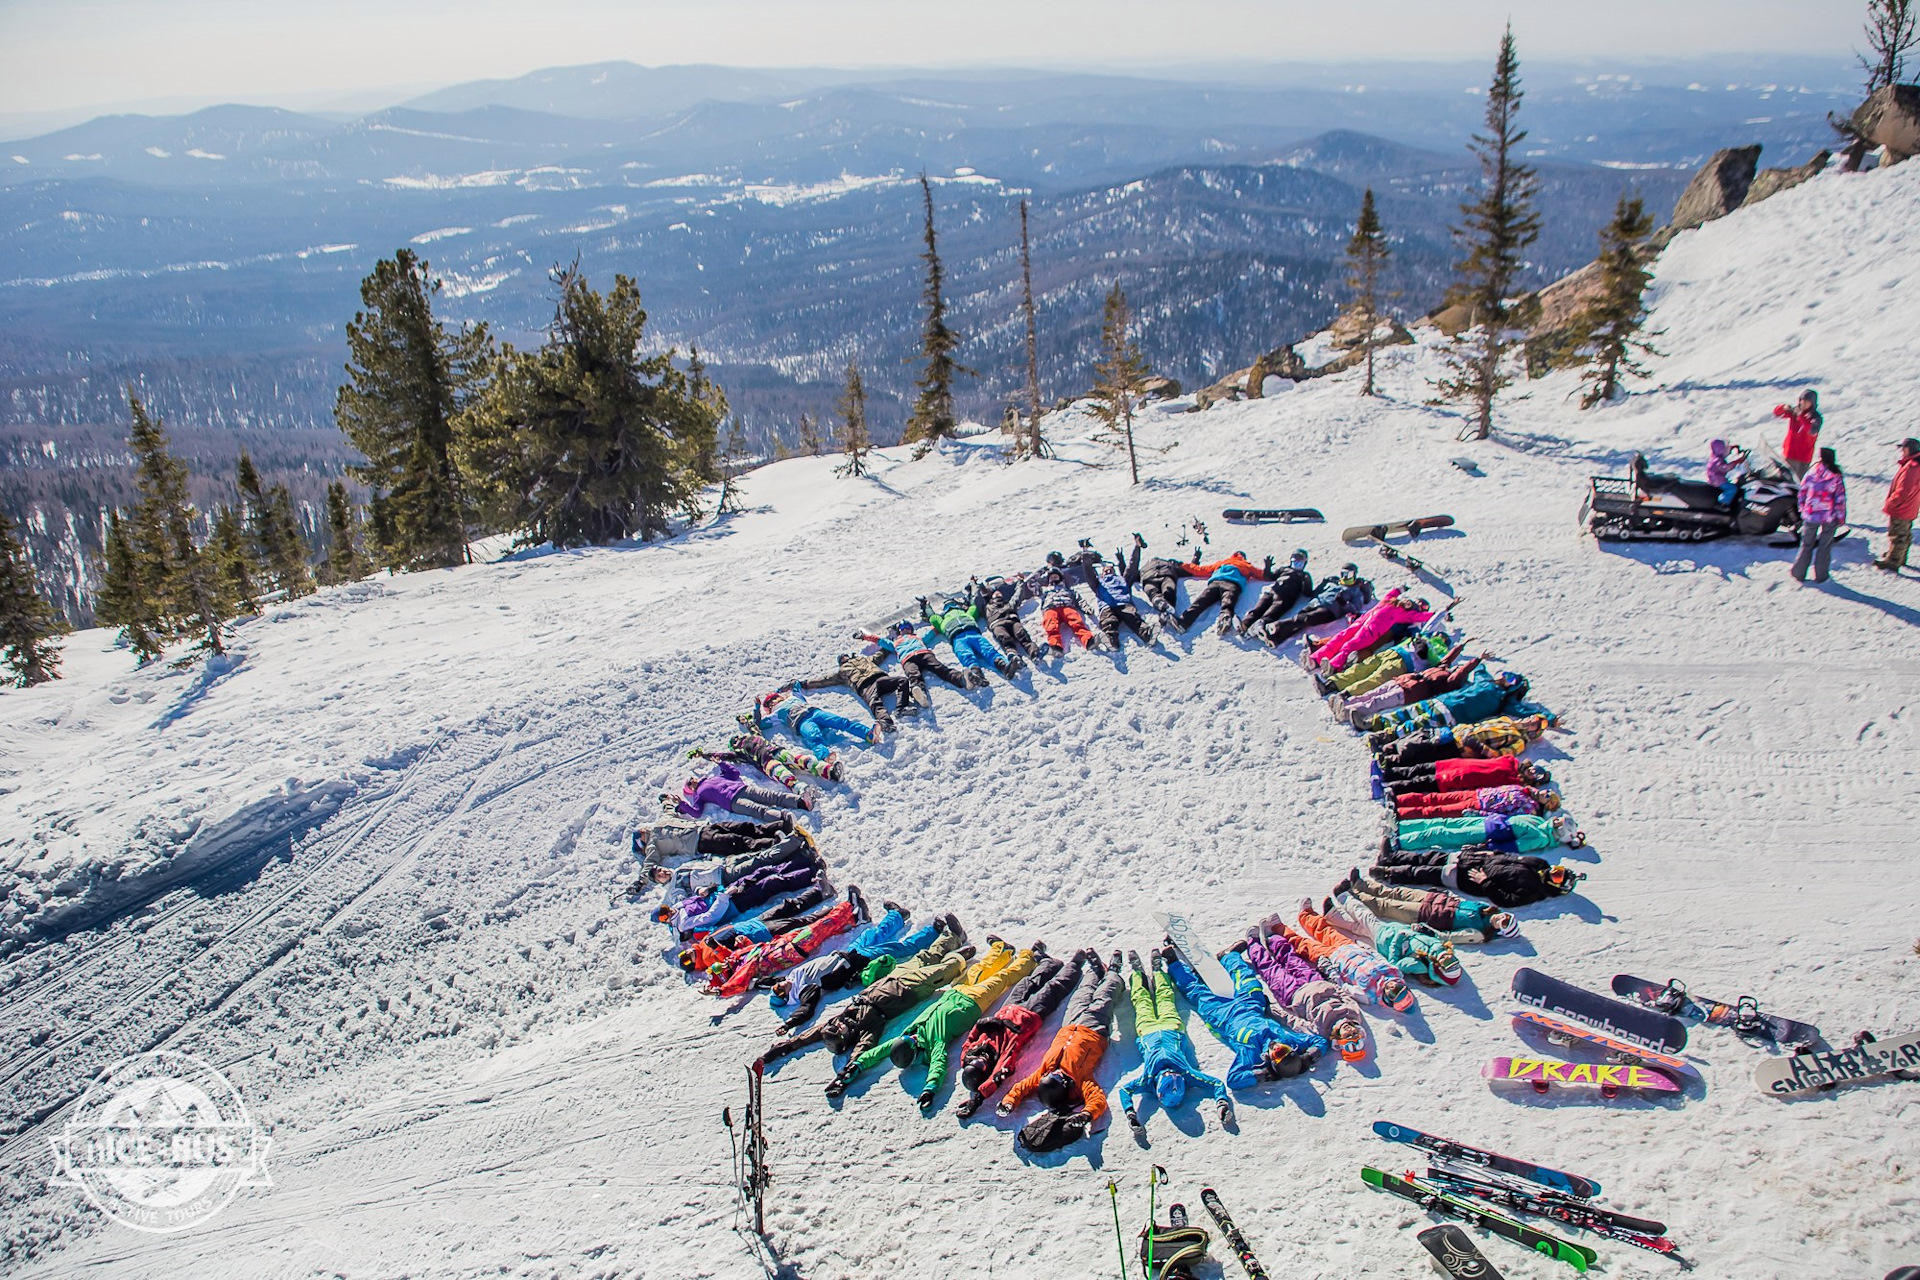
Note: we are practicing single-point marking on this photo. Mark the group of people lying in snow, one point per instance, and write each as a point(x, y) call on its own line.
point(748, 898)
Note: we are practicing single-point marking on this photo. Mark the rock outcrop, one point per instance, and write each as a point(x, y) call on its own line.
point(1771, 182)
point(1890, 118)
point(1717, 189)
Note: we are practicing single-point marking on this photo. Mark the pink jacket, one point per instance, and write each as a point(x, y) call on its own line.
point(1365, 632)
point(1823, 496)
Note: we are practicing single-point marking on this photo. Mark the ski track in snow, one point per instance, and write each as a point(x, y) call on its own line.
point(472, 1062)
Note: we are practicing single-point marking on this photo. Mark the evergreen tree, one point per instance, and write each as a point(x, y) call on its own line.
point(584, 440)
point(1035, 446)
point(233, 556)
point(1497, 229)
point(28, 625)
point(1118, 376)
point(933, 414)
point(730, 459)
point(279, 551)
point(127, 597)
point(854, 441)
point(1609, 327)
point(344, 562)
point(809, 436)
point(1367, 255)
point(1890, 37)
point(407, 380)
point(380, 539)
point(191, 601)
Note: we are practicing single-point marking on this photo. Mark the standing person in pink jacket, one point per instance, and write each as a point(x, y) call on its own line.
point(1823, 510)
point(1369, 628)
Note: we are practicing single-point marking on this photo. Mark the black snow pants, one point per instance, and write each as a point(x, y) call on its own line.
point(1221, 591)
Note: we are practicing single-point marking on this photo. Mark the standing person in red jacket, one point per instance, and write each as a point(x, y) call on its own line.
point(1902, 505)
point(1803, 431)
point(1225, 580)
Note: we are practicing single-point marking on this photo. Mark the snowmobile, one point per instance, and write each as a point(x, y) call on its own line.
point(1766, 501)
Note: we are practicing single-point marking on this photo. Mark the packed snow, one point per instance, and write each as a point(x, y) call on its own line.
point(369, 864)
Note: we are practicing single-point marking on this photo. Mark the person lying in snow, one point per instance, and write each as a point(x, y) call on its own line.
point(1484, 739)
point(1322, 1006)
point(705, 911)
point(1410, 948)
point(1445, 914)
point(1462, 775)
point(1342, 959)
point(993, 1047)
point(1113, 594)
point(736, 974)
point(1482, 697)
point(1396, 609)
point(1264, 1047)
point(869, 683)
point(917, 660)
point(1504, 879)
point(782, 764)
point(1159, 581)
point(1509, 800)
point(1370, 671)
point(1402, 690)
point(726, 790)
point(886, 940)
point(859, 1026)
point(1063, 1081)
point(1166, 1055)
point(996, 601)
point(705, 950)
point(1519, 833)
point(958, 622)
point(1060, 610)
point(1226, 579)
point(813, 725)
point(931, 1034)
point(1340, 596)
point(697, 879)
point(670, 837)
point(1289, 587)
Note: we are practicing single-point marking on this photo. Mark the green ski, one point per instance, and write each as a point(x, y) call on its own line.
point(1577, 1256)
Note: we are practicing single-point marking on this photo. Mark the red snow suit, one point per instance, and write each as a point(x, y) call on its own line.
point(784, 952)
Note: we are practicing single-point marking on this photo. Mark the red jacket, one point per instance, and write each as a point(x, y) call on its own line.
point(1004, 1036)
point(1802, 430)
point(1903, 499)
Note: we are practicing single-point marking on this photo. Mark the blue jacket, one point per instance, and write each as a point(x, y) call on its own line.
point(1243, 1023)
point(1165, 1051)
point(1109, 583)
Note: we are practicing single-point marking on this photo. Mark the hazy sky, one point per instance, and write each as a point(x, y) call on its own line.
point(56, 55)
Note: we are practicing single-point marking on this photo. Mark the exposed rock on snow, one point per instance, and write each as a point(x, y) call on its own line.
point(1890, 118)
point(1717, 189)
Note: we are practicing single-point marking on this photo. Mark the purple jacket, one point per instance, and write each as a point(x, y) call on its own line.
point(1299, 988)
point(1823, 496)
point(719, 791)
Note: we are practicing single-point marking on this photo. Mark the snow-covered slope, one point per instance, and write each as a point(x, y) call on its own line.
point(473, 1062)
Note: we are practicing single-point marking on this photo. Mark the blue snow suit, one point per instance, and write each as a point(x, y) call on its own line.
point(816, 726)
point(1162, 1044)
point(1243, 1023)
point(959, 623)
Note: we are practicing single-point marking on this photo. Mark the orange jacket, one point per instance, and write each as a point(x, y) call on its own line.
point(1233, 564)
point(1903, 499)
point(1075, 1050)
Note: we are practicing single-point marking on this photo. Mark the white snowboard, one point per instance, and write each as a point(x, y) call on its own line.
point(1825, 1067)
point(1198, 956)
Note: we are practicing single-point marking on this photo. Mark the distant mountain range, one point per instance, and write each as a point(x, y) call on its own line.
point(211, 260)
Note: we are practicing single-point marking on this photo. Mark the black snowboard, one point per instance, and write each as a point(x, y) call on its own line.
point(1457, 1254)
point(1387, 528)
point(1272, 515)
point(1633, 1023)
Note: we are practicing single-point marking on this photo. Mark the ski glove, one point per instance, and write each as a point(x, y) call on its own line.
point(926, 1101)
point(1226, 1112)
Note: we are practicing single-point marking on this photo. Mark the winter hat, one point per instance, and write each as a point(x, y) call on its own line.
point(1717, 448)
point(1910, 445)
point(1170, 1087)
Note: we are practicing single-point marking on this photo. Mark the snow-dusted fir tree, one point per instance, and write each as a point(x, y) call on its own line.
point(233, 556)
point(809, 436)
point(1118, 376)
point(854, 440)
point(585, 440)
point(128, 597)
point(280, 551)
point(345, 562)
point(1610, 328)
point(185, 591)
point(29, 628)
point(1367, 255)
point(408, 377)
point(1496, 229)
point(732, 458)
point(933, 413)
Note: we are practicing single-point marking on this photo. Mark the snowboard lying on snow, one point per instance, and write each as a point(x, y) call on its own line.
point(1633, 1023)
point(1198, 958)
point(1823, 1068)
point(1743, 1015)
point(1386, 529)
point(1608, 1077)
point(1272, 515)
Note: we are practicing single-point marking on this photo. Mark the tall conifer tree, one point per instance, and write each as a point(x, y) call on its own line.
point(1496, 229)
point(1035, 446)
point(1891, 35)
point(232, 550)
point(408, 377)
point(344, 563)
point(1117, 376)
point(127, 598)
point(1611, 325)
point(1367, 255)
point(933, 414)
point(809, 436)
point(854, 441)
point(29, 628)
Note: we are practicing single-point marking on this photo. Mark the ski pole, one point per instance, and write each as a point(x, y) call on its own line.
point(1119, 1240)
point(1156, 1175)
